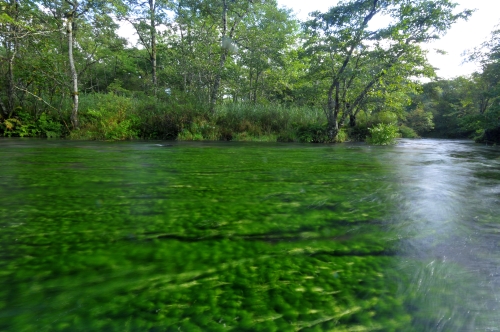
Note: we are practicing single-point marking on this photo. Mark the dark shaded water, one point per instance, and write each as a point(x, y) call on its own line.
point(132, 236)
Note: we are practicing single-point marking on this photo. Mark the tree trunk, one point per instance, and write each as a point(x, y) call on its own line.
point(332, 112)
point(4, 109)
point(352, 120)
point(223, 56)
point(250, 88)
point(11, 48)
point(256, 87)
point(152, 30)
point(10, 91)
point(74, 74)
point(215, 89)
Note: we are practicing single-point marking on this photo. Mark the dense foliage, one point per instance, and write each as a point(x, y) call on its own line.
point(464, 106)
point(195, 62)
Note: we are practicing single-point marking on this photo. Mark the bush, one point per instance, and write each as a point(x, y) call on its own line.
point(383, 134)
point(385, 117)
point(258, 120)
point(199, 130)
point(407, 132)
point(245, 137)
point(49, 127)
point(342, 136)
point(164, 119)
point(312, 133)
point(488, 136)
point(25, 125)
point(113, 120)
point(359, 132)
point(287, 136)
point(420, 121)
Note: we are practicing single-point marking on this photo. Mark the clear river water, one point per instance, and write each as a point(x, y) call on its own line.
point(155, 236)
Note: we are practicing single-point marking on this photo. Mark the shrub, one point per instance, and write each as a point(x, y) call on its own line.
point(383, 134)
point(112, 120)
point(342, 136)
point(385, 117)
point(359, 132)
point(198, 130)
point(312, 133)
point(489, 136)
point(287, 136)
point(420, 121)
point(186, 135)
point(258, 120)
point(163, 119)
point(245, 137)
point(407, 132)
point(49, 127)
point(11, 127)
point(25, 125)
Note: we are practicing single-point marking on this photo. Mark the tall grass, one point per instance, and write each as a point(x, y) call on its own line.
point(245, 121)
point(178, 117)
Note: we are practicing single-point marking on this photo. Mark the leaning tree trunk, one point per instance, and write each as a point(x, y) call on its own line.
point(74, 74)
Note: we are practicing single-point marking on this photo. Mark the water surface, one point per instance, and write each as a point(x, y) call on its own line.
point(133, 236)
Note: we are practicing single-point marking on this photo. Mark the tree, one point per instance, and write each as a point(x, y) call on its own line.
point(17, 26)
point(232, 13)
point(9, 29)
point(70, 13)
point(264, 45)
point(355, 59)
point(420, 121)
point(486, 98)
point(215, 46)
point(146, 17)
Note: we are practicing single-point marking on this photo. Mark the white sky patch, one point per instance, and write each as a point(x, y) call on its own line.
point(126, 30)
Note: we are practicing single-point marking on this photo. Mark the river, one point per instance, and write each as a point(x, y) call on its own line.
point(206, 236)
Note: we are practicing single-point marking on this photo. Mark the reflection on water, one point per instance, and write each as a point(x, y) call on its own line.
point(448, 201)
point(133, 236)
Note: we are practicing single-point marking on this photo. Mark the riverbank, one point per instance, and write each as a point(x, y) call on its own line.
point(112, 117)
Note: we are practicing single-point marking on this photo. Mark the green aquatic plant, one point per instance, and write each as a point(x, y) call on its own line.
point(199, 237)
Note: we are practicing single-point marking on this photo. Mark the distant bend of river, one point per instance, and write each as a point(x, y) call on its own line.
point(209, 236)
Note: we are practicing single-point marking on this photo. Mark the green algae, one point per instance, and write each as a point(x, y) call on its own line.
point(118, 237)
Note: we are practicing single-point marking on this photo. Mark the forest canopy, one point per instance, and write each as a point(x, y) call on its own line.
point(237, 70)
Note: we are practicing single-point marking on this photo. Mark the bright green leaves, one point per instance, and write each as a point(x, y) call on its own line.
point(383, 134)
point(358, 61)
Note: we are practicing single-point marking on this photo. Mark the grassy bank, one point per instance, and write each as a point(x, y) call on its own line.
point(114, 117)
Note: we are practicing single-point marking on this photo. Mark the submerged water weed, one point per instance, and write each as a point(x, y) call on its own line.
point(111, 237)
